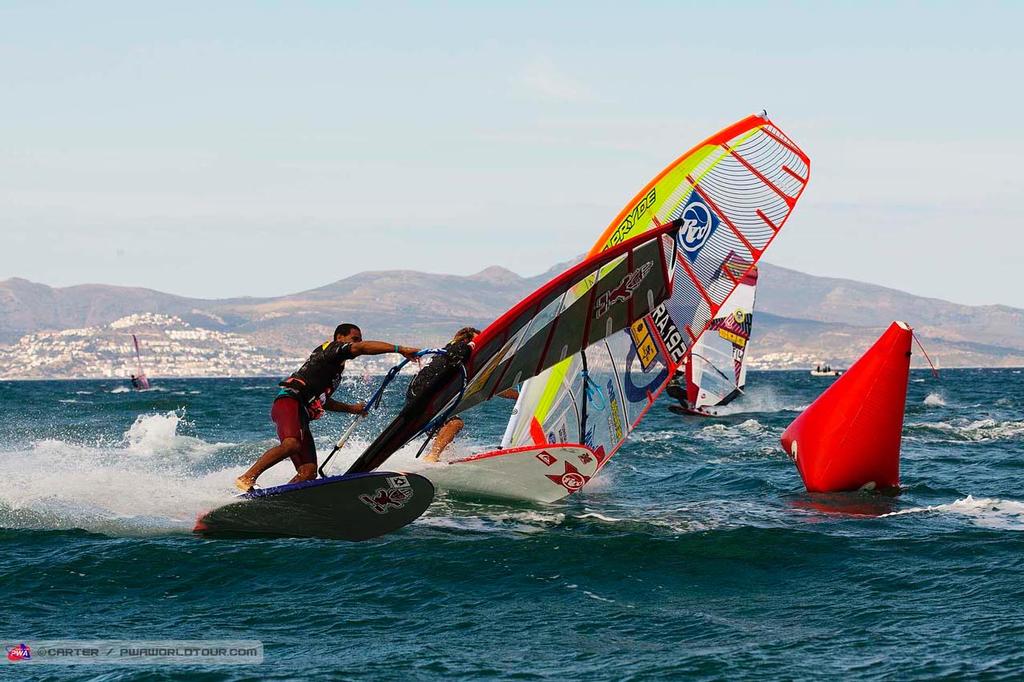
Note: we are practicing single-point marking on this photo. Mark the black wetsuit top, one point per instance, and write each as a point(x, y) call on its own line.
point(440, 366)
point(320, 375)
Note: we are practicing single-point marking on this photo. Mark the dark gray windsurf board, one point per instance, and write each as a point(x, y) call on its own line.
point(353, 507)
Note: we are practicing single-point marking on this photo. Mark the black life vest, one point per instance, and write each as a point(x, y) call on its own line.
point(320, 375)
point(440, 367)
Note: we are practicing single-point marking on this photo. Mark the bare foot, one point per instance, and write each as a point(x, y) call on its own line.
point(245, 483)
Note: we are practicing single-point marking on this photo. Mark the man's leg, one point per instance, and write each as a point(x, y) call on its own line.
point(305, 472)
point(287, 448)
point(305, 459)
point(444, 438)
point(285, 413)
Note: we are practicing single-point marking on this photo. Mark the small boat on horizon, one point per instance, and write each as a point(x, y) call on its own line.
point(825, 371)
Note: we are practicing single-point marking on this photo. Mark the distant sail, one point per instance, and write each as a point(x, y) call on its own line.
point(716, 366)
point(600, 296)
point(733, 192)
point(139, 379)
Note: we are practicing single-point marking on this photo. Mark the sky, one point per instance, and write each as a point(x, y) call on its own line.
point(262, 148)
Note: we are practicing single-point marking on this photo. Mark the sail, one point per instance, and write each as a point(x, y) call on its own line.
point(140, 377)
point(733, 192)
point(601, 296)
point(717, 369)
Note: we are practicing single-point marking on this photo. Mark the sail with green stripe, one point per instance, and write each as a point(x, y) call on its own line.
point(733, 192)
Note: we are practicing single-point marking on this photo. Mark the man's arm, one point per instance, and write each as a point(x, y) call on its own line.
point(380, 347)
point(510, 393)
point(337, 406)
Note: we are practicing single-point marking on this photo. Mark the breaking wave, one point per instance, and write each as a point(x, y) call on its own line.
point(983, 512)
point(760, 398)
point(745, 429)
point(967, 431)
point(153, 481)
point(934, 400)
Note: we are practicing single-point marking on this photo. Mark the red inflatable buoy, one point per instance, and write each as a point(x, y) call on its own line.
point(849, 438)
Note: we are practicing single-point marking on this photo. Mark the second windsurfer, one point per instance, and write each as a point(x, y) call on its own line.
point(458, 350)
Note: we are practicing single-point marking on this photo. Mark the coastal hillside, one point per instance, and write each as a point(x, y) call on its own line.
point(800, 320)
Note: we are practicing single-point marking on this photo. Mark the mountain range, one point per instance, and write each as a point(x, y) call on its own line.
point(800, 320)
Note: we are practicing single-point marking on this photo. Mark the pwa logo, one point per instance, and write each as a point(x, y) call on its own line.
point(623, 291)
point(699, 223)
point(22, 652)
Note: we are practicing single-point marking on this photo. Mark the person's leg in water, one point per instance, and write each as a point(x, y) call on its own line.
point(289, 447)
point(291, 431)
point(445, 435)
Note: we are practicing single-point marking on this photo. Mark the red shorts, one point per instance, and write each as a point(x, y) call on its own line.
point(290, 417)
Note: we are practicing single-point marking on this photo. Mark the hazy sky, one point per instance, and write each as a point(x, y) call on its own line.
point(257, 148)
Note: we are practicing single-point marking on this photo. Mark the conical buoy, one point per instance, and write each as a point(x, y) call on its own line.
point(849, 438)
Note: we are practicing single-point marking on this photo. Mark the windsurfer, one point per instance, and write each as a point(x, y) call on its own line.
point(306, 395)
point(458, 350)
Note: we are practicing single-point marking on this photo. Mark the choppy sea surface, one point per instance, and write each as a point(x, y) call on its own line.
point(695, 553)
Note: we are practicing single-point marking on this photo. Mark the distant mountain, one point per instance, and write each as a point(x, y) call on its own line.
point(800, 319)
point(793, 294)
point(27, 307)
point(778, 342)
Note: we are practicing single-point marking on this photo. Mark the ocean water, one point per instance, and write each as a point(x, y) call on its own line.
point(695, 553)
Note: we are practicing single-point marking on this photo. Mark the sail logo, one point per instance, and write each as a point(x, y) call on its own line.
point(669, 333)
point(699, 223)
point(633, 219)
point(623, 291)
point(614, 420)
point(22, 652)
point(644, 344)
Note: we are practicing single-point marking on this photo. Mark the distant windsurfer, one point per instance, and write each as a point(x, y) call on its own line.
point(306, 395)
point(458, 350)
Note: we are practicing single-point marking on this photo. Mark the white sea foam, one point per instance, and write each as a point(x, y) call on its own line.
point(151, 482)
point(984, 512)
point(599, 517)
point(128, 389)
point(934, 399)
point(598, 597)
point(490, 519)
point(979, 430)
point(656, 436)
point(759, 398)
point(744, 429)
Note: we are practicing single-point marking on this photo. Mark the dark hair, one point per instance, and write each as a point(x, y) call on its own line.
point(465, 335)
point(344, 329)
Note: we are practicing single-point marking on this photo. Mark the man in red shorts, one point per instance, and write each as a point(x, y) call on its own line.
point(306, 394)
